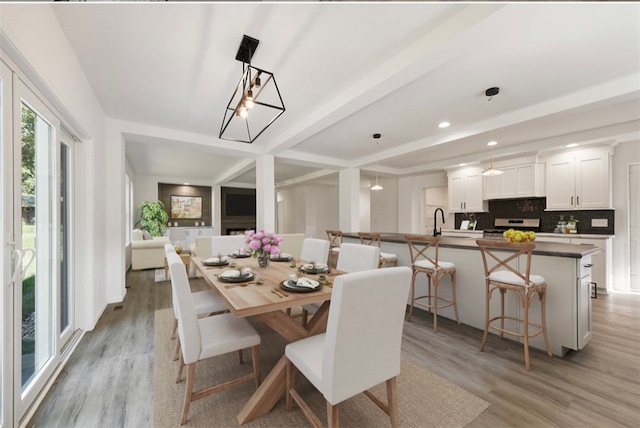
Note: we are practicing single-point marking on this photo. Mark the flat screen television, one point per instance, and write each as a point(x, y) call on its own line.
point(240, 205)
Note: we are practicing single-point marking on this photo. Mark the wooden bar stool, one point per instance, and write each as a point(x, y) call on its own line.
point(422, 262)
point(502, 276)
point(335, 240)
point(368, 238)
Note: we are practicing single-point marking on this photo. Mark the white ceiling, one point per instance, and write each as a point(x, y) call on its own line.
point(567, 72)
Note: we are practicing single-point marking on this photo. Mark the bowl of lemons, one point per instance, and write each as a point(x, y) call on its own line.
point(513, 235)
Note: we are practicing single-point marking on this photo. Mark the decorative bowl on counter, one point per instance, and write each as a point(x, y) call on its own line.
point(513, 235)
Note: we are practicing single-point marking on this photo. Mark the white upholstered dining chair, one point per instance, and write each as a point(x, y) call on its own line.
point(203, 338)
point(352, 258)
point(316, 250)
point(361, 347)
point(226, 244)
point(206, 302)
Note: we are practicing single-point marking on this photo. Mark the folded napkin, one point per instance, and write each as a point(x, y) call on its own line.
point(281, 256)
point(321, 266)
point(307, 283)
point(235, 273)
point(307, 266)
point(241, 252)
point(231, 273)
point(216, 259)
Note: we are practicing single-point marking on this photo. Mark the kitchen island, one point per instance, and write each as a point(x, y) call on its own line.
point(566, 268)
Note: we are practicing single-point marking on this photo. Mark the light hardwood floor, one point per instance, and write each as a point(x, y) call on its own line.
point(108, 381)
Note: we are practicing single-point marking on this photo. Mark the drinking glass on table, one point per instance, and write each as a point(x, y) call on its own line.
point(292, 262)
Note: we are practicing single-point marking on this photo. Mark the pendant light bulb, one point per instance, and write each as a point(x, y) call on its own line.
point(248, 101)
point(377, 186)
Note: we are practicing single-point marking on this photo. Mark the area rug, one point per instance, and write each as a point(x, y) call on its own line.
point(425, 399)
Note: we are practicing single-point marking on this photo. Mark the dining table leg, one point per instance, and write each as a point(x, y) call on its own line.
point(272, 387)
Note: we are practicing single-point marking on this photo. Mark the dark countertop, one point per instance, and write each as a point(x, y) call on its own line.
point(553, 249)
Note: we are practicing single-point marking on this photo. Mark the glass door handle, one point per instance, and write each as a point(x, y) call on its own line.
point(19, 270)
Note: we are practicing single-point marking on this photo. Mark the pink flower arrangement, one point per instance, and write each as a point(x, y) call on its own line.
point(262, 243)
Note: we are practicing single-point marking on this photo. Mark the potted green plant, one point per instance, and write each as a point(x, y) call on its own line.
point(153, 217)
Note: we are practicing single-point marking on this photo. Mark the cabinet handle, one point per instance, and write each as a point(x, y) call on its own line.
point(577, 200)
point(572, 201)
point(595, 290)
point(465, 205)
point(588, 265)
point(460, 205)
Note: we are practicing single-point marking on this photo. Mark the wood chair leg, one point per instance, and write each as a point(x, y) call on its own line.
point(191, 374)
point(305, 317)
point(413, 294)
point(175, 328)
point(332, 415)
point(453, 290)
point(435, 302)
point(502, 294)
point(176, 352)
point(525, 307)
point(180, 367)
point(543, 318)
point(487, 316)
point(392, 399)
point(240, 358)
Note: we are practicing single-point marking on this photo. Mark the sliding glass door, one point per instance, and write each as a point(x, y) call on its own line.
point(37, 318)
point(35, 222)
point(6, 293)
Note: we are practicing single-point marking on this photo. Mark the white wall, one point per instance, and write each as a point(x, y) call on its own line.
point(49, 62)
point(310, 210)
point(623, 155)
point(384, 206)
point(411, 201)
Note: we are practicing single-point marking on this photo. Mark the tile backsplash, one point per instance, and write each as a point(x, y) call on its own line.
point(535, 208)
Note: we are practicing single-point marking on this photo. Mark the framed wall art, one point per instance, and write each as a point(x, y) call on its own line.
point(186, 207)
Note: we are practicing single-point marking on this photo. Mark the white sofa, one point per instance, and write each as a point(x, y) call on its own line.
point(147, 253)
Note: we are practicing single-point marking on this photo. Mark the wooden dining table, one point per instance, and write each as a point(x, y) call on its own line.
point(269, 302)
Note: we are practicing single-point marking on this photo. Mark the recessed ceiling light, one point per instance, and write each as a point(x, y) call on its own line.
point(492, 143)
point(444, 125)
point(462, 164)
point(186, 184)
point(568, 146)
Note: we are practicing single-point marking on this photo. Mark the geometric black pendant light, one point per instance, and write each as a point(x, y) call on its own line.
point(256, 101)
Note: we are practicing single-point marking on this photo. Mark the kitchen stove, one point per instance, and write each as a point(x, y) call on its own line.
point(502, 224)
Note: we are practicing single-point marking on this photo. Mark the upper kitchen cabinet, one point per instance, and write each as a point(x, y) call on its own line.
point(516, 181)
point(579, 180)
point(465, 191)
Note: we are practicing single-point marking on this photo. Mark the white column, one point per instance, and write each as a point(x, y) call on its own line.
point(265, 193)
point(349, 200)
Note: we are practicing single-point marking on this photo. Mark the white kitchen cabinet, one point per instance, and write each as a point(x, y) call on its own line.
point(601, 263)
point(517, 181)
point(465, 191)
point(583, 295)
point(579, 180)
